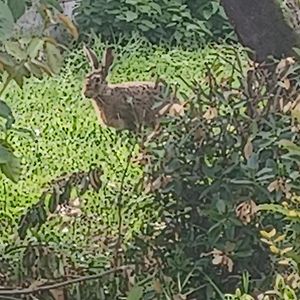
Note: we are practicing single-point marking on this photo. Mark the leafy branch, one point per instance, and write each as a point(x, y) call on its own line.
point(31, 290)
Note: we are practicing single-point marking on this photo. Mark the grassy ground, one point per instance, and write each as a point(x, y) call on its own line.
point(69, 138)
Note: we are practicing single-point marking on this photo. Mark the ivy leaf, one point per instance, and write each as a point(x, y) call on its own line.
point(17, 8)
point(6, 22)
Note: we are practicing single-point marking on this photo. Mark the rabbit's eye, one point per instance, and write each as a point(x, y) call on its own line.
point(97, 79)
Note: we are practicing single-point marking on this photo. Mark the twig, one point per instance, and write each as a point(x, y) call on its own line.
point(31, 290)
point(119, 205)
point(8, 298)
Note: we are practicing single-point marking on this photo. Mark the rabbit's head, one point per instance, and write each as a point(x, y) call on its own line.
point(95, 82)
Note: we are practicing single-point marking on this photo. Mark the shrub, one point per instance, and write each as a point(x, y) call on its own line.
point(158, 20)
point(216, 168)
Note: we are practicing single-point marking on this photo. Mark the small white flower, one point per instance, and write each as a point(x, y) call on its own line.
point(37, 132)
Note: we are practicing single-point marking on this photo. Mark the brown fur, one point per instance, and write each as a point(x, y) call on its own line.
point(127, 105)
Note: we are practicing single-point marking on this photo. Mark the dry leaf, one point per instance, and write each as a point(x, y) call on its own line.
point(67, 22)
point(220, 258)
point(199, 135)
point(164, 110)
point(156, 184)
point(280, 238)
point(210, 114)
point(176, 109)
point(286, 108)
point(75, 202)
point(274, 249)
point(248, 149)
point(246, 211)
point(157, 286)
point(283, 64)
point(273, 186)
point(268, 235)
point(286, 250)
point(285, 83)
point(284, 262)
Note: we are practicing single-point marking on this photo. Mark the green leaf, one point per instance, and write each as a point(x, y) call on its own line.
point(34, 46)
point(54, 57)
point(14, 49)
point(6, 113)
point(34, 70)
point(130, 15)
point(136, 293)
point(221, 206)
point(45, 68)
point(6, 59)
point(18, 73)
point(5, 155)
point(148, 24)
point(9, 163)
point(6, 22)
point(290, 146)
point(17, 8)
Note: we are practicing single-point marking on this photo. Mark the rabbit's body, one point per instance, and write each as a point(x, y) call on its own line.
point(129, 105)
point(126, 105)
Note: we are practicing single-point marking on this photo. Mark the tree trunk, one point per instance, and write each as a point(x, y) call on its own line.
point(260, 26)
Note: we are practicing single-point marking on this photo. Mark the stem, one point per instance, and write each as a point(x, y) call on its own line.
point(32, 290)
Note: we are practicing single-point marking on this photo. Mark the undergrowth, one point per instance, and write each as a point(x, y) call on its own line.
point(197, 227)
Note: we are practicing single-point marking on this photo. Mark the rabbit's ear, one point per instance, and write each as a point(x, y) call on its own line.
point(92, 57)
point(108, 59)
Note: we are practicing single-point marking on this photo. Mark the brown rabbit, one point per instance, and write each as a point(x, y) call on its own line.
point(128, 105)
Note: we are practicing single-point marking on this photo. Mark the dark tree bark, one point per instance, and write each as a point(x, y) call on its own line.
point(260, 26)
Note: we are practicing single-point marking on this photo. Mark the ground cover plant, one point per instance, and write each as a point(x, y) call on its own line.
point(197, 234)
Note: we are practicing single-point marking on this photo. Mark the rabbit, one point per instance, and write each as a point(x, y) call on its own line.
point(128, 105)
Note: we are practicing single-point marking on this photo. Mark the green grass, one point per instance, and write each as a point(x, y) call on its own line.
point(69, 138)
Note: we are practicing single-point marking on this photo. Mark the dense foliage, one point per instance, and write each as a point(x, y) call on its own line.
point(218, 167)
point(180, 21)
point(224, 176)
